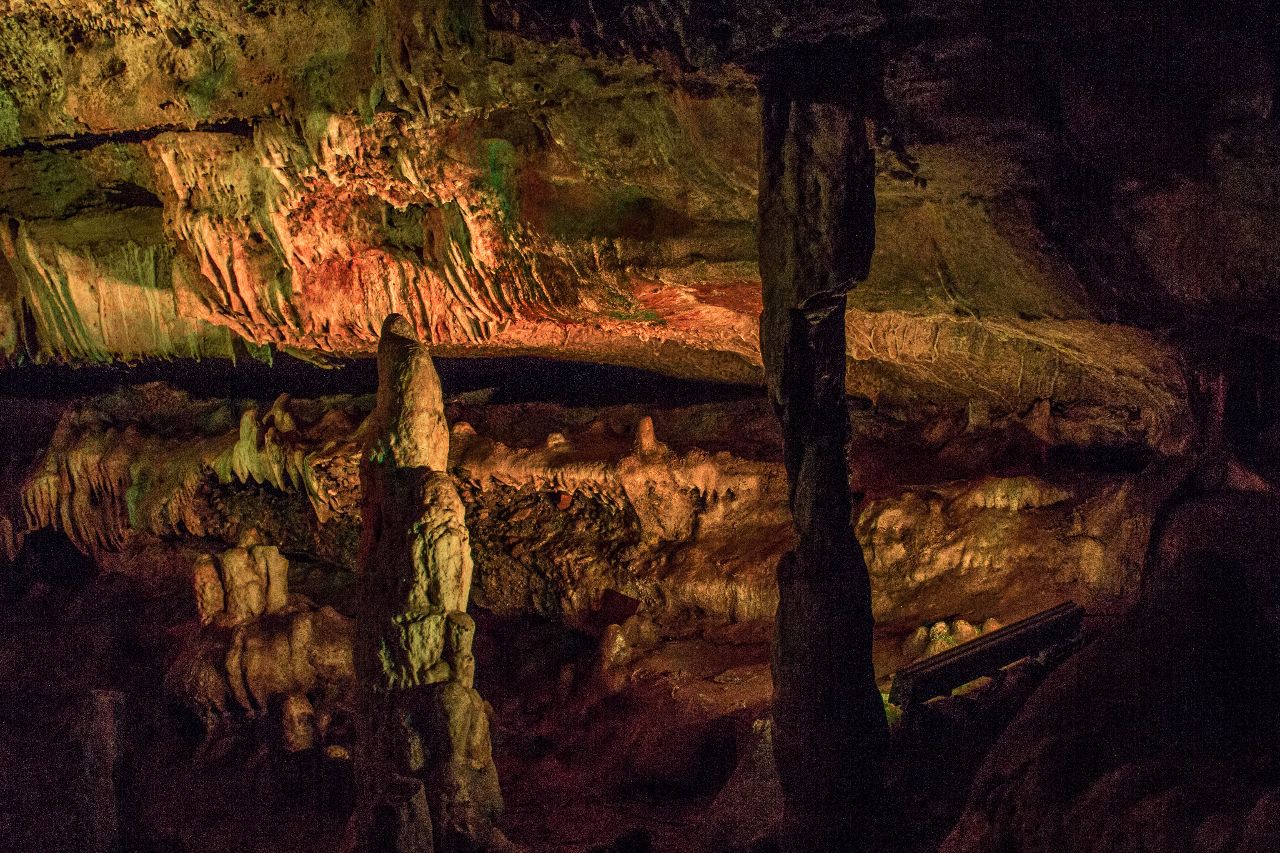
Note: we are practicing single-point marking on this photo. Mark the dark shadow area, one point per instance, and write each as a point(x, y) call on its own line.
point(89, 141)
point(1235, 705)
point(503, 380)
point(48, 557)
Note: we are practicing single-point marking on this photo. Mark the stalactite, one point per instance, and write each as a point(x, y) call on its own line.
point(100, 484)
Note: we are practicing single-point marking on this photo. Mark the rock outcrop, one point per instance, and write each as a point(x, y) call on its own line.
point(564, 505)
point(173, 184)
point(1161, 735)
point(259, 653)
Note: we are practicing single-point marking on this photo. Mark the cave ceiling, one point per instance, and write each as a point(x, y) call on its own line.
point(234, 178)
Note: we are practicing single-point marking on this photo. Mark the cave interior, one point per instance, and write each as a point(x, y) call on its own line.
point(480, 426)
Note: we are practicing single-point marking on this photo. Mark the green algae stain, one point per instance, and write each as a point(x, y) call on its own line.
point(322, 80)
point(261, 352)
point(500, 173)
point(462, 22)
point(203, 89)
point(10, 133)
point(892, 713)
point(638, 315)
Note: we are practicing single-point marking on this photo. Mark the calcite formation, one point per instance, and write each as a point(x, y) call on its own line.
point(137, 464)
point(175, 184)
point(1057, 275)
point(817, 215)
point(258, 652)
point(295, 210)
point(242, 583)
point(422, 720)
point(694, 531)
point(689, 516)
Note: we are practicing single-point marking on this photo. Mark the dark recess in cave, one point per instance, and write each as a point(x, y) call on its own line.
point(512, 380)
point(48, 557)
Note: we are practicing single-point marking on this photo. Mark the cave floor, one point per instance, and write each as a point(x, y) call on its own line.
point(651, 740)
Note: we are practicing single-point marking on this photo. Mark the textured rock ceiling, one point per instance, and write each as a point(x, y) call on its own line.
point(1058, 190)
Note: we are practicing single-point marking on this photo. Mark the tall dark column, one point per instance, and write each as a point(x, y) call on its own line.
point(817, 233)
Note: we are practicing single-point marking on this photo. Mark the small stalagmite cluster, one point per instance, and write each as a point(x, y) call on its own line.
point(259, 652)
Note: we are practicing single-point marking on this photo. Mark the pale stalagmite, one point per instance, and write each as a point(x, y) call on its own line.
point(424, 721)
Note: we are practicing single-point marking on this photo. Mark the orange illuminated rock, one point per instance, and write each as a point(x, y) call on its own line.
point(569, 206)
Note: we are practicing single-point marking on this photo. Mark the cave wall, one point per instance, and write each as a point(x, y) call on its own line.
point(682, 511)
point(1060, 190)
point(492, 190)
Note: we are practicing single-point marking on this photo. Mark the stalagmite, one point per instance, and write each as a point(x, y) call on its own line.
point(425, 724)
point(98, 798)
point(817, 232)
point(259, 652)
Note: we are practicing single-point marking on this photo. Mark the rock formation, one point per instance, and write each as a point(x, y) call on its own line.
point(1073, 208)
point(424, 728)
point(256, 651)
point(1162, 734)
point(564, 505)
point(210, 204)
point(817, 232)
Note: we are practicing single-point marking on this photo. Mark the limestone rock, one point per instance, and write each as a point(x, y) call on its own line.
point(298, 723)
point(211, 597)
point(255, 580)
point(674, 527)
point(264, 668)
point(940, 639)
point(1138, 741)
point(422, 716)
point(409, 419)
point(241, 584)
point(1011, 546)
point(290, 201)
